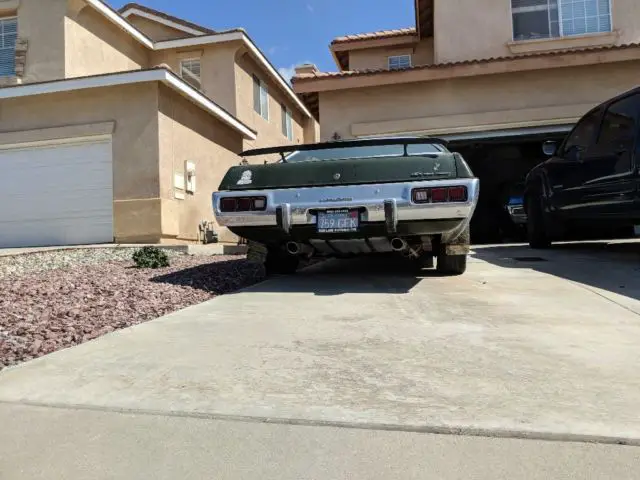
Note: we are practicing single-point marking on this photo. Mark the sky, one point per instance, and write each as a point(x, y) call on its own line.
point(291, 32)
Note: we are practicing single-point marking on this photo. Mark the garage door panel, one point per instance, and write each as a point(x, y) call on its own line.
point(56, 195)
point(55, 211)
point(59, 175)
point(55, 203)
point(55, 232)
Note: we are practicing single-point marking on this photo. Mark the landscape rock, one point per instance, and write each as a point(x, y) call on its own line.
point(59, 299)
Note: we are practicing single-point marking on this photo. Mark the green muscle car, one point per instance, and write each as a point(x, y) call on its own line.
point(411, 196)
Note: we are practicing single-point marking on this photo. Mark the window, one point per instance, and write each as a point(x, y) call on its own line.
point(620, 123)
point(190, 72)
point(533, 19)
point(287, 122)
point(8, 37)
point(397, 62)
point(585, 131)
point(367, 152)
point(260, 98)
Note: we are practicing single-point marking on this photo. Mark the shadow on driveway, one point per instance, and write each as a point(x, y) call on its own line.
point(610, 266)
point(326, 278)
point(217, 278)
point(363, 275)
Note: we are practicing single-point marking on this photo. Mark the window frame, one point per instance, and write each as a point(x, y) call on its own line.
point(399, 67)
point(263, 95)
point(599, 113)
point(561, 34)
point(183, 61)
point(12, 72)
point(287, 122)
point(636, 128)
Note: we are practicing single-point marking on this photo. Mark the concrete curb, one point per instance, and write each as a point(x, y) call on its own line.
point(460, 430)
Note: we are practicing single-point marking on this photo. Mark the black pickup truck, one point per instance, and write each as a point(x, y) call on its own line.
point(591, 179)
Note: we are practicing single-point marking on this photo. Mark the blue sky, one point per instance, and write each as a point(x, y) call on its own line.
point(290, 32)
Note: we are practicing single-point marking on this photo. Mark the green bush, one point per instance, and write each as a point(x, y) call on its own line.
point(150, 257)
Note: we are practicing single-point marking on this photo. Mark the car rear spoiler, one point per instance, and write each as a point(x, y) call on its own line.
point(370, 142)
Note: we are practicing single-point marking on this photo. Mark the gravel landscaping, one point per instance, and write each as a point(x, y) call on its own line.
point(57, 299)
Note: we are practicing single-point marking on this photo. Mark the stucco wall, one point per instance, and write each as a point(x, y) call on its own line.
point(187, 133)
point(227, 79)
point(269, 132)
point(41, 23)
point(375, 58)
point(94, 45)
point(154, 30)
point(484, 31)
point(133, 109)
point(474, 102)
point(217, 69)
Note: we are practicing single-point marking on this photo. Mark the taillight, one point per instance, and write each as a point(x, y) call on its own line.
point(457, 194)
point(228, 204)
point(439, 194)
point(243, 204)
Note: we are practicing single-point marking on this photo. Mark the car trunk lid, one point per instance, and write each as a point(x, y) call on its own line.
point(339, 172)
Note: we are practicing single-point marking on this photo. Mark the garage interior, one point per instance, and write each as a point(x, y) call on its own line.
point(502, 160)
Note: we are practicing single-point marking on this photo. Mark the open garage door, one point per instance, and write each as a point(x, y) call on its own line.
point(56, 194)
point(500, 159)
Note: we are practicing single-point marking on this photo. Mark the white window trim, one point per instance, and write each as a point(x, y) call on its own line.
point(4, 19)
point(264, 90)
point(399, 56)
point(562, 35)
point(288, 119)
point(189, 73)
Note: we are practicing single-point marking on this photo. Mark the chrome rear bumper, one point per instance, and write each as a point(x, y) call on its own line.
point(390, 203)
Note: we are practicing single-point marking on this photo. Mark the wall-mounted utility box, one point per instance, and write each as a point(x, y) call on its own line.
point(190, 177)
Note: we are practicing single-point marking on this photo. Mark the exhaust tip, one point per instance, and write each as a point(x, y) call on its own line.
point(398, 244)
point(293, 248)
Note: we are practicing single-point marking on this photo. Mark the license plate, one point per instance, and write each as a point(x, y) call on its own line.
point(338, 221)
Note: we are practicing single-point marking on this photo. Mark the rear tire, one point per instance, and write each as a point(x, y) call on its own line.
point(279, 262)
point(452, 264)
point(536, 226)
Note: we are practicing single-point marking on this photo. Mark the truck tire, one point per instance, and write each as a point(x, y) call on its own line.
point(536, 226)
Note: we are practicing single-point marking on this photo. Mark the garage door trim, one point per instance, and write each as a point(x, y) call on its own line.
point(57, 142)
point(484, 134)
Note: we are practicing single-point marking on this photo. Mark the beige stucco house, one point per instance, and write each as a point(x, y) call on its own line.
point(495, 77)
point(118, 126)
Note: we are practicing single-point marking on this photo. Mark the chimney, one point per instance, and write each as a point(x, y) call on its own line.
point(306, 69)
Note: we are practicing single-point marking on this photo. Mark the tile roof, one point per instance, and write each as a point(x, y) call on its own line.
point(401, 32)
point(358, 73)
point(166, 16)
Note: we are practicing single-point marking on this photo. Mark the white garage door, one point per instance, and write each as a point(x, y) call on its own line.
point(56, 194)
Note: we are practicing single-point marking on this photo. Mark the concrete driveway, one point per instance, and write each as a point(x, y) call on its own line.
point(526, 344)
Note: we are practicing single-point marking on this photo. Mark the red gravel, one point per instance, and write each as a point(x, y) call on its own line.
point(47, 311)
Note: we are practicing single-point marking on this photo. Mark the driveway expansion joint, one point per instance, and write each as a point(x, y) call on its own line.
point(300, 422)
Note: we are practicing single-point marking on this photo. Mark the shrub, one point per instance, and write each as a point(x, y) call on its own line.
point(150, 257)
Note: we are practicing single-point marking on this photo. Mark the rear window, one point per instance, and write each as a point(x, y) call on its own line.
point(382, 151)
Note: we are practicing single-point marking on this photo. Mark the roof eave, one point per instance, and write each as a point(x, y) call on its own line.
point(113, 16)
point(323, 83)
point(162, 75)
